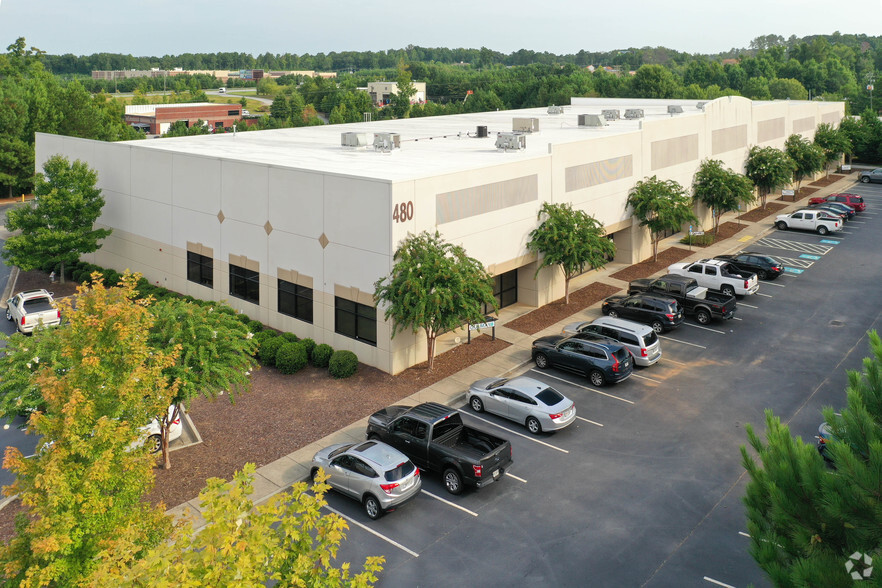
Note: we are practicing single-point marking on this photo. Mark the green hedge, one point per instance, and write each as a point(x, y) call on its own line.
point(342, 364)
point(291, 358)
point(290, 337)
point(321, 355)
point(310, 345)
point(255, 326)
point(268, 350)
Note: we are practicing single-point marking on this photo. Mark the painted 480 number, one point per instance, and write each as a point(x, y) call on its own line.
point(402, 212)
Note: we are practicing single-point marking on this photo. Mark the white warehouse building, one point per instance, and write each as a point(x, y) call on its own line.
point(294, 226)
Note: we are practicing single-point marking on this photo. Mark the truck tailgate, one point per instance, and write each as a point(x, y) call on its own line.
point(496, 462)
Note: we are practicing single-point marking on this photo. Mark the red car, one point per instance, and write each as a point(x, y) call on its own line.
point(852, 200)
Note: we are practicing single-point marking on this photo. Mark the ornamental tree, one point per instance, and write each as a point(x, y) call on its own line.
point(59, 226)
point(805, 518)
point(720, 189)
point(434, 286)
point(287, 541)
point(660, 205)
point(84, 486)
point(808, 158)
point(834, 142)
point(769, 169)
point(570, 239)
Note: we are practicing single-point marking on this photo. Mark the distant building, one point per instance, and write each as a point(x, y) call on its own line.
point(221, 74)
point(155, 119)
point(382, 92)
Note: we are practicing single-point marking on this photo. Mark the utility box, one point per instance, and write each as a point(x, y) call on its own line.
point(482, 132)
point(511, 141)
point(591, 120)
point(387, 141)
point(611, 114)
point(675, 109)
point(353, 140)
point(555, 109)
point(525, 125)
point(632, 113)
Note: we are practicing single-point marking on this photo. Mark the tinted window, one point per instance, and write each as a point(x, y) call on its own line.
point(796, 215)
point(596, 353)
point(650, 338)
point(550, 396)
point(337, 452)
point(518, 397)
point(363, 469)
point(621, 354)
point(695, 269)
point(629, 339)
point(399, 471)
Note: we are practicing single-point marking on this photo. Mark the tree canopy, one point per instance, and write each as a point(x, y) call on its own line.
point(769, 169)
point(834, 143)
point(434, 286)
point(58, 227)
point(660, 205)
point(807, 157)
point(721, 189)
point(570, 239)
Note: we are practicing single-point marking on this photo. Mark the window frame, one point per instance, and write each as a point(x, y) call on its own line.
point(198, 262)
point(361, 313)
point(301, 299)
point(249, 279)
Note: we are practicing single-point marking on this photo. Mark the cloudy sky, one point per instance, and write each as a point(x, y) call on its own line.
point(160, 27)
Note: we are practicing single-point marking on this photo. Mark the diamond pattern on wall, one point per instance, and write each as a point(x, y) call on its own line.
point(323, 241)
point(220, 216)
point(268, 228)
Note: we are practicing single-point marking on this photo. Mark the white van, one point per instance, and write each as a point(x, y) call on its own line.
point(637, 338)
point(221, 90)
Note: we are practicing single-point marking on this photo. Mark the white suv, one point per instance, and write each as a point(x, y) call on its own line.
point(639, 339)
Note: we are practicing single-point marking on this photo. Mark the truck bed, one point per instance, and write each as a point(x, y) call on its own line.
point(470, 443)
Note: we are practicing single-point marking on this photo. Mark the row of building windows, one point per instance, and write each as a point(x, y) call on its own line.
point(351, 319)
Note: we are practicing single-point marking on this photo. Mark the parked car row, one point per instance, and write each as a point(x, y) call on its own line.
point(825, 214)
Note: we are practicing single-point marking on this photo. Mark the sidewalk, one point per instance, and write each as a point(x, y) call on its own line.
point(278, 476)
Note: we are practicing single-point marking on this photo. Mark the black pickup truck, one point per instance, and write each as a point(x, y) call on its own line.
point(434, 437)
point(696, 300)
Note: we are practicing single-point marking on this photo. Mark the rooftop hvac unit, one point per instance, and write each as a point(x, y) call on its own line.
point(675, 109)
point(555, 109)
point(612, 114)
point(591, 120)
point(353, 139)
point(514, 141)
point(482, 132)
point(700, 105)
point(632, 113)
point(525, 125)
point(387, 141)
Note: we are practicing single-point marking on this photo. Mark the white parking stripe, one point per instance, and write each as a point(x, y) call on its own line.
point(507, 475)
point(583, 387)
point(766, 295)
point(683, 342)
point(718, 583)
point(736, 318)
point(646, 378)
point(669, 360)
point(369, 530)
point(587, 421)
point(747, 305)
point(507, 430)
point(775, 285)
point(447, 502)
point(743, 533)
point(705, 328)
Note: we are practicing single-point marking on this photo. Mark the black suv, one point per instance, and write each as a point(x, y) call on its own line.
point(765, 267)
point(602, 362)
point(659, 312)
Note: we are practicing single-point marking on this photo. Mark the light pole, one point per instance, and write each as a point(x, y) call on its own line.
point(870, 79)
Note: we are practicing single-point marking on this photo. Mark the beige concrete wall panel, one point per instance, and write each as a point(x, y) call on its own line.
point(485, 198)
point(508, 242)
point(116, 166)
point(356, 213)
point(803, 125)
point(769, 130)
point(831, 118)
point(152, 175)
point(244, 192)
point(595, 173)
point(353, 268)
point(196, 227)
point(46, 145)
point(151, 219)
point(239, 238)
point(71, 147)
point(674, 151)
point(728, 139)
point(196, 183)
point(117, 211)
point(296, 252)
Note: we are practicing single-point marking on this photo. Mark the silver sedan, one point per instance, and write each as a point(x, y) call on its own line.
point(524, 400)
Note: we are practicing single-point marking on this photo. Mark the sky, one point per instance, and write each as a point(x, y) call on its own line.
point(171, 27)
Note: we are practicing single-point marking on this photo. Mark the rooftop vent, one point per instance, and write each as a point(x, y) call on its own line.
point(514, 141)
point(525, 125)
point(612, 114)
point(675, 109)
point(700, 105)
point(482, 132)
point(387, 141)
point(353, 140)
point(555, 109)
point(632, 113)
point(592, 120)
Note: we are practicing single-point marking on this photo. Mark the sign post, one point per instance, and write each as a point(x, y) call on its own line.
point(489, 321)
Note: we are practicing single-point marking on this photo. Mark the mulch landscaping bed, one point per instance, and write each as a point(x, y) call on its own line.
point(536, 320)
point(758, 214)
point(724, 231)
point(646, 268)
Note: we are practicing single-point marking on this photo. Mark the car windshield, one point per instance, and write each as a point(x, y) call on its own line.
point(399, 471)
point(339, 450)
point(550, 396)
point(497, 383)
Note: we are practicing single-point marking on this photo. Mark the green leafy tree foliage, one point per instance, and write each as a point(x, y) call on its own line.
point(179, 128)
point(833, 142)
point(721, 189)
point(769, 169)
point(216, 354)
point(280, 109)
point(654, 81)
point(808, 158)
point(434, 286)
point(23, 356)
point(660, 206)
point(570, 239)
point(287, 541)
point(84, 486)
point(806, 519)
point(400, 100)
point(787, 89)
point(59, 226)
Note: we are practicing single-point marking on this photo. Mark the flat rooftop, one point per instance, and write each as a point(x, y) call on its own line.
point(430, 146)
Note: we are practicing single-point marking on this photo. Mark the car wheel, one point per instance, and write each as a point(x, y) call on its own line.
point(372, 507)
point(657, 326)
point(373, 437)
point(822, 230)
point(313, 474)
point(781, 225)
point(8, 315)
point(452, 481)
point(596, 378)
point(728, 290)
point(533, 425)
point(703, 317)
point(865, 179)
point(476, 404)
point(762, 275)
point(154, 442)
point(541, 361)
point(612, 314)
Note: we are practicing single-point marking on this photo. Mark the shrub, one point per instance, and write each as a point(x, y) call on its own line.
point(221, 307)
point(111, 277)
point(310, 345)
point(264, 336)
point(291, 337)
point(342, 364)
point(698, 240)
point(244, 318)
point(255, 326)
point(268, 349)
point(291, 358)
point(321, 355)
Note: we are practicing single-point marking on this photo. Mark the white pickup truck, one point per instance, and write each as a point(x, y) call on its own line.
point(31, 309)
point(717, 274)
point(809, 220)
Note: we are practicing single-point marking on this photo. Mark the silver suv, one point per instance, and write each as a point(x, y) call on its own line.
point(377, 475)
point(639, 339)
